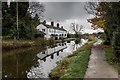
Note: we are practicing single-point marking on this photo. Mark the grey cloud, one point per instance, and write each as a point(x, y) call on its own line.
point(64, 10)
point(66, 13)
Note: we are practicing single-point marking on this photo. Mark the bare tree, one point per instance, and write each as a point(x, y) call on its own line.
point(76, 28)
point(91, 7)
point(36, 8)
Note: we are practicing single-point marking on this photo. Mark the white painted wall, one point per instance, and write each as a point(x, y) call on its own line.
point(49, 31)
point(40, 27)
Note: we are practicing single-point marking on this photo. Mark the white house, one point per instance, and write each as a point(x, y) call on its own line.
point(52, 31)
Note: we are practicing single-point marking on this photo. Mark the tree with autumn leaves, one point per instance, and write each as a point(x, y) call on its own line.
point(107, 17)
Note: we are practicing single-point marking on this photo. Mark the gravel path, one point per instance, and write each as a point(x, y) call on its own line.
point(98, 66)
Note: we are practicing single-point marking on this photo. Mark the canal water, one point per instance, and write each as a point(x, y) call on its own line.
point(35, 62)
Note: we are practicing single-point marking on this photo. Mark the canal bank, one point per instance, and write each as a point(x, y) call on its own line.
point(36, 62)
point(74, 65)
point(9, 45)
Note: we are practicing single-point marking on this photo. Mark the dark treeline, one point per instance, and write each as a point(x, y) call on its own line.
point(112, 17)
point(107, 16)
point(26, 24)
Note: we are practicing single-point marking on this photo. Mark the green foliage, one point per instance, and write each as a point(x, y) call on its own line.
point(39, 34)
point(40, 42)
point(68, 39)
point(112, 16)
point(43, 42)
point(111, 58)
point(108, 17)
point(8, 21)
point(77, 35)
point(100, 35)
point(26, 24)
point(91, 38)
point(73, 35)
point(68, 35)
point(50, 41)
point(78, 40)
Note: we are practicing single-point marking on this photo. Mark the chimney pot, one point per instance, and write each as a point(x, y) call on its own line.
point(52, 23)
point(58, 25)
point(44, 22)
point(62, 27)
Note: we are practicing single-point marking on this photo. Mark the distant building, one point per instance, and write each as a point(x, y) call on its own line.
point(52, 31)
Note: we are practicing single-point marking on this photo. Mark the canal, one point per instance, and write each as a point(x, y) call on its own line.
point(35, 62)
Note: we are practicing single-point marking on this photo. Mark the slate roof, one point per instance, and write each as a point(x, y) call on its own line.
point(53, 27)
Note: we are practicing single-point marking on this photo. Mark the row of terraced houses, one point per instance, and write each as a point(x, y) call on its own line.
point(52, 31)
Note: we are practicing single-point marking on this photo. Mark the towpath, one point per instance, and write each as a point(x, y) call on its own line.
point(98, 67)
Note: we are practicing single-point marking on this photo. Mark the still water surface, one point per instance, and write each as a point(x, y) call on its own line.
point(35, 62)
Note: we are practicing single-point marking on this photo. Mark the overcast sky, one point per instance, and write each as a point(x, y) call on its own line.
point(67, 12)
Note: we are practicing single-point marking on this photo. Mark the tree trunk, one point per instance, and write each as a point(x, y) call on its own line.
point(17, 19)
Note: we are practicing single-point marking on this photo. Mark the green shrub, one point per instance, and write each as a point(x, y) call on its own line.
point(50, 41)
point(40, 42)
point(39, 34)
point(91, 38)
point(68, 41)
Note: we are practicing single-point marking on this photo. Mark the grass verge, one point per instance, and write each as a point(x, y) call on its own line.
point(7, 45)
point(110, 56)
point(11, 44)
point(75, 65)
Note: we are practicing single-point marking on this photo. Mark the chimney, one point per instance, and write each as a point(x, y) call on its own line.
point(52, 23)
point(62, 27)
point(58, 25)
point(44, 22)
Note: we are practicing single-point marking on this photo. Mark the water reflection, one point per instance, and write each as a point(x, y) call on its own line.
point(48, 58)
point(35, 62)
point(17, 63)
point(57, 53)
point(51, 51)
point(77, 45)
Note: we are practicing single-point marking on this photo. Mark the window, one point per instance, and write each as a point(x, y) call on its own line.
point(43, 30)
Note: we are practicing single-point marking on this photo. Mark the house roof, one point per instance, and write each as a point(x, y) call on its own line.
point(53, 27)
